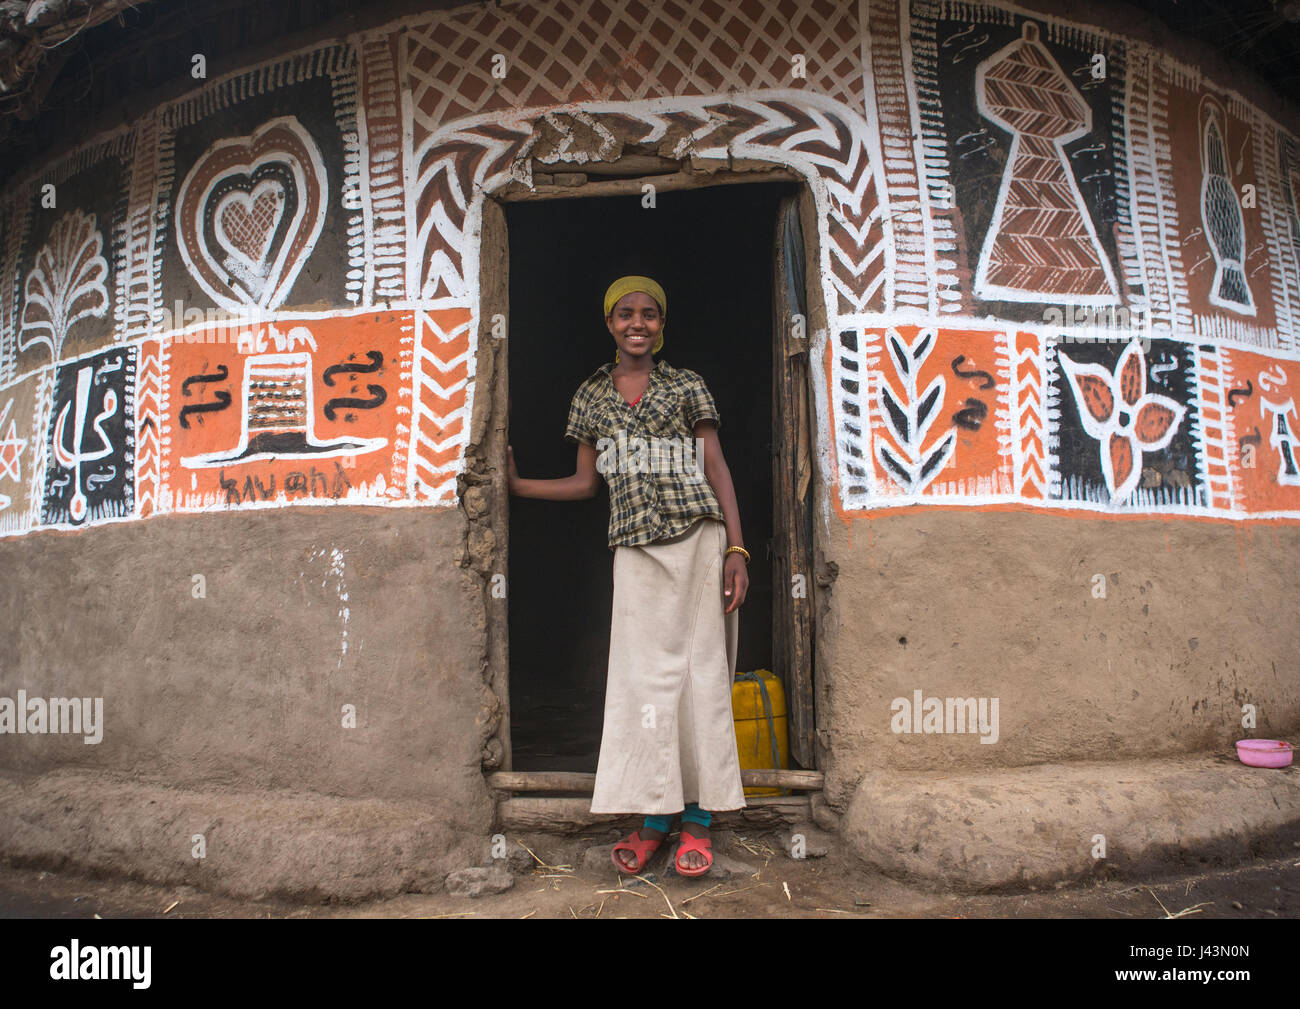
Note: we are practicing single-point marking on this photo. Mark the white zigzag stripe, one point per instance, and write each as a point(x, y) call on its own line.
point(442, 335)
point(428, 355)
point(827, 175)
point(436, 491)
point(425, 411)
point(442, 446)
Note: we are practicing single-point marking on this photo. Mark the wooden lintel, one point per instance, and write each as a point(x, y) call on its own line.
point(517, 191)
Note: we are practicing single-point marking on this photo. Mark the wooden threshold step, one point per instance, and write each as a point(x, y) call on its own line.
point(555, 814)
point(573, 781)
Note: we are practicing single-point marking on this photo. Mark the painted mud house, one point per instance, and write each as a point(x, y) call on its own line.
point(1000, 305)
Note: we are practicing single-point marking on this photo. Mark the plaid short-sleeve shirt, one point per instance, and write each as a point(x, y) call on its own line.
point(647, 452)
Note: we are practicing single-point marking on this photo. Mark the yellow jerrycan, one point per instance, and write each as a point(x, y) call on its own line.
point(762, 739)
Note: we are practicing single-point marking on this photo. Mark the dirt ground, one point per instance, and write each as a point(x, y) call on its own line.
point(566, 881)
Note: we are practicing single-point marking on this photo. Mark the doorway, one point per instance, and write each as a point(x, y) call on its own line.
point(712, 250)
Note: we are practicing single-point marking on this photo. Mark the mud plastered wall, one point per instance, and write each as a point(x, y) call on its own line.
point(1077, 287)
point(184, 333)
point(1070, 361)
point(1088, 326)
point(1049, 284)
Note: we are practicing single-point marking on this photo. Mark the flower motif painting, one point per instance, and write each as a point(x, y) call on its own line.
point(1126, 420)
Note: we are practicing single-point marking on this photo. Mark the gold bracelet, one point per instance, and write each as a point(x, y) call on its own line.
point(739, 550)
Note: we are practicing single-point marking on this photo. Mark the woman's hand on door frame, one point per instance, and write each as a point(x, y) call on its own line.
point(512, 474)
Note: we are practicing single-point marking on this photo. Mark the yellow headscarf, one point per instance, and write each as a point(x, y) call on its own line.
point(626, 285)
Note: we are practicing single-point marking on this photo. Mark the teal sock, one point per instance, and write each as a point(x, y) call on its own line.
point(693, 814)
point(659, 823)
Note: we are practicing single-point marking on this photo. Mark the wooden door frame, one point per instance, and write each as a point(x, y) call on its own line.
point(491, 433)
point(793, 582)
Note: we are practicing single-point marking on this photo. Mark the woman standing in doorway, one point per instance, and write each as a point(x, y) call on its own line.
point(669, 742)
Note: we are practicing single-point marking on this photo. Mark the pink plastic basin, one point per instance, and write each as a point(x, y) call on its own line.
point(1264, 752)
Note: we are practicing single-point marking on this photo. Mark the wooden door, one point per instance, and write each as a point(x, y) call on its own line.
point(792, 468)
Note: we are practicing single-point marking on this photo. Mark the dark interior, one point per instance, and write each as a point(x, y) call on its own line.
point(711, 250)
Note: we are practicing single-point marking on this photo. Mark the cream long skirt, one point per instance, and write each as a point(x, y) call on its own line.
point(669, 738)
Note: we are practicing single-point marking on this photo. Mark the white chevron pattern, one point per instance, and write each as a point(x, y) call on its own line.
point(817, 137)
point(444, 404)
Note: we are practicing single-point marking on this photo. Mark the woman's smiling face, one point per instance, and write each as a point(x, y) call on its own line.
point(635, 323)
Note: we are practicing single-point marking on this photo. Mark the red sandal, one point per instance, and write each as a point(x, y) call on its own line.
point(641, 847)
point(692, 843)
